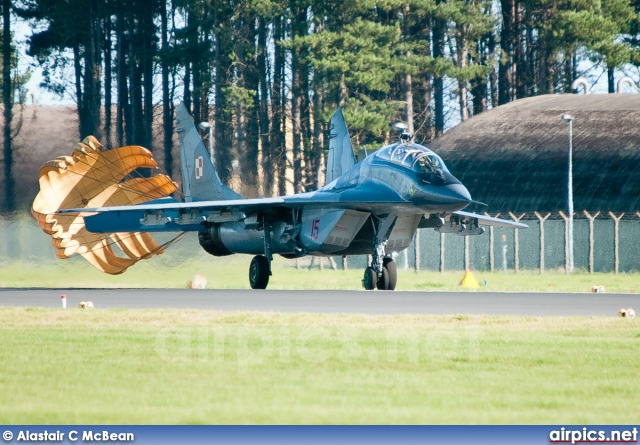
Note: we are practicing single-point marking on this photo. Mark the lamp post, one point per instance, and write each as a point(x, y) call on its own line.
point(569, 119)
point(205, 126)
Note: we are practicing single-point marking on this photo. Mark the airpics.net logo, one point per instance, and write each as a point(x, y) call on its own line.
point(590, 435)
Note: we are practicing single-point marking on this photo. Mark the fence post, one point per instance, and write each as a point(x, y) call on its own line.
point(441, 252)
point(616, 240)
point(542, 220)
point(566, 241)
point(416, 248)
point(516, 244)
point(591, 241)
point(491, 239)
point(467, 266)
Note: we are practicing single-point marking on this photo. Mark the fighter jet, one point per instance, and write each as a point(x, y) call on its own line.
point(372, 207)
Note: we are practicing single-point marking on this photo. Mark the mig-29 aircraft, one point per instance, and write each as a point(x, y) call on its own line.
point(373, 207)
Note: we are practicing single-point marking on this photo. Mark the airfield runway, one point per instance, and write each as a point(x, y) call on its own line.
point(320, 301)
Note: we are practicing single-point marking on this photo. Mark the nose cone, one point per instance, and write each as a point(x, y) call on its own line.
point(442, 198)
point(458, 192)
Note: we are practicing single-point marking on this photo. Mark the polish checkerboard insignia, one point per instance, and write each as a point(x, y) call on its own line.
point(199, 167)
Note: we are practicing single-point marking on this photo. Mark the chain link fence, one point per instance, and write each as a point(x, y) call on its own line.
point(603, 242)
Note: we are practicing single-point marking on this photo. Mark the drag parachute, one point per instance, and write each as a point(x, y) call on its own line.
point(94, 177)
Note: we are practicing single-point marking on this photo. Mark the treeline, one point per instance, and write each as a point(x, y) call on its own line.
point(268, 73)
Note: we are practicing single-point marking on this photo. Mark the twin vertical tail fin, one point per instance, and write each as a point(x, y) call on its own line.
point(341, 157)
point(200, 181)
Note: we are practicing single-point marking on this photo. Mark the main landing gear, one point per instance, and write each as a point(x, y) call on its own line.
point(259, 272)
point(260, 267)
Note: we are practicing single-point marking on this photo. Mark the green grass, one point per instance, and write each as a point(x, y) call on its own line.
point(232, 273)
point(201, 367)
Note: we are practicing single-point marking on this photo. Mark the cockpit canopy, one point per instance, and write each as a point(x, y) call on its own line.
point(416, 157)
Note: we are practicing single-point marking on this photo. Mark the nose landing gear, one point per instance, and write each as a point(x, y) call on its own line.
point(382, 272)
point(385, 280)
point(389, 267)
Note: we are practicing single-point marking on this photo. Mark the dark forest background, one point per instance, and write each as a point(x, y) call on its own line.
point(268, 74)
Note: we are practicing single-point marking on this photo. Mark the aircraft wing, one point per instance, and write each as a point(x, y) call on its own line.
point(179, 205)
point(490, 221)
point(169, 215)
point(172, 215)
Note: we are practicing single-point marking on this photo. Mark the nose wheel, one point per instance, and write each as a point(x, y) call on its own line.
point(370, 278)
point(389, 266)
point(385, 280)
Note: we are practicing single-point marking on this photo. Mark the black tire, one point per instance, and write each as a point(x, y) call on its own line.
point(383, 280)
point(390, 265)
point(259, 272)
point(369, 280)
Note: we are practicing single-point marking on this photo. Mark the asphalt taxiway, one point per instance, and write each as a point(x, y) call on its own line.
point(323, 301)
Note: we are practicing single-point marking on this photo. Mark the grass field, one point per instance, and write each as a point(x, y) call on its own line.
point(232, 273)
point(162, 366)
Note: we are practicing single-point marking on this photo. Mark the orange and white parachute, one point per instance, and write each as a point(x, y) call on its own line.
point(91, 177)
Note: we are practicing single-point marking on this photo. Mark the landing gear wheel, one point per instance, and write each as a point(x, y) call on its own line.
point(383, 280)
point(390, 266)
point(370, 278)
point(259, 272)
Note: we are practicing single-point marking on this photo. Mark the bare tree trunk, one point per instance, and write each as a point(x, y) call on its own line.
point(167, 108)
point(278, 99)
point(318, 135)
point(520, 55)
point(507, 44)
point(77, 68)
point(532, 55)
point(297, 102)
point(409, 99)
point(148, 53)
point(462, 83)
point(9, 183)
point(343, 91)
point(265, 142)
point(426, 109)
point(611, 80)
point(91, 99)
point(193, 44)
point(121, 80)
point(479, 84)
point(493, 76)
point(135, 94)
point(108, 82)
point(223, 118)
point(438, 82)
